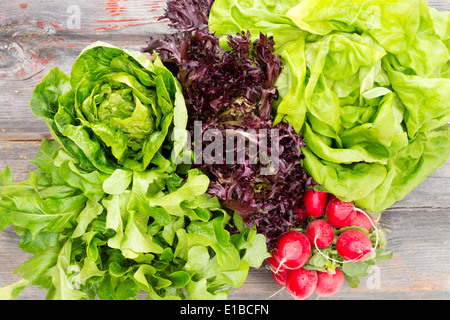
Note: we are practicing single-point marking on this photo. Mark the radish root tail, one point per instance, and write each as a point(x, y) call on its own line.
point(373, 225)
point(280, 265)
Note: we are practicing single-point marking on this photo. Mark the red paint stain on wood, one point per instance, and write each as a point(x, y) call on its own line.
point(124, 9)
point(117, 26)
point(5, 75)
point(41, 24)
point(41, 61)
point(70, 45)
point(108, 27)
point(55, 25)
point(115, 8)
point(154, 5)
point(121, 20)
point(23, 5)
point(44, 61)
point(21, 73)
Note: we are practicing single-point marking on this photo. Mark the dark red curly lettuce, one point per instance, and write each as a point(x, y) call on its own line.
point(234, 90)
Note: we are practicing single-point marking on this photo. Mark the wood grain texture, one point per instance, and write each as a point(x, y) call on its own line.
point(38, 35)
point(45, 34)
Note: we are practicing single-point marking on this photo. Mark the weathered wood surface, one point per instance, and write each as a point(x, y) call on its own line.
point(38, 35)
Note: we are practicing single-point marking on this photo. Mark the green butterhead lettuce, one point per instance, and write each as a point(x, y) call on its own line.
point(366, 83)
point(116, 110)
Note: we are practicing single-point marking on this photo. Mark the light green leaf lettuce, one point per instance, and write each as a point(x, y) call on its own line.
point(150, 231)
point(366, 83)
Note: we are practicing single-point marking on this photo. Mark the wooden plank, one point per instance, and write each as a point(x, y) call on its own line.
point(441, 5)
point(89, 17)
point(16, 154)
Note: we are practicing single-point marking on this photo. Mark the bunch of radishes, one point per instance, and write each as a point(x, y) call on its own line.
point(325, 216)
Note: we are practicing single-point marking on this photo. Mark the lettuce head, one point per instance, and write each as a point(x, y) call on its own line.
point(117, 109)
point(367, 84)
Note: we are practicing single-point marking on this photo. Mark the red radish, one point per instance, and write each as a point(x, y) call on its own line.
point(320, 233)
point(301, 214)
point(280, 277)
point(362, 220)
point(315, 202)
point(353, 245)
point(328, 283)
point(339, 213)
point(301, 283)
point(293, 250)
